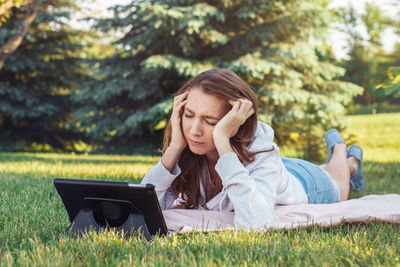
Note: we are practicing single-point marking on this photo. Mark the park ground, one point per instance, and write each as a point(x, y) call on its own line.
point(32, 216)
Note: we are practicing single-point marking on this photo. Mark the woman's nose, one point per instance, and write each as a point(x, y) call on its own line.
point(196, 127)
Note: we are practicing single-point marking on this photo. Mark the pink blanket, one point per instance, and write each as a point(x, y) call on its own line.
point(385, 208)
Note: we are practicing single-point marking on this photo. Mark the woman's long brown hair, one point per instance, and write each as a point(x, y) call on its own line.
point(226, 85)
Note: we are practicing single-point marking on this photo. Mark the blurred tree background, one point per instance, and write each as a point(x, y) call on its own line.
point(368, 64)
point(110, 87)
point(37, 80)
point(6, 7)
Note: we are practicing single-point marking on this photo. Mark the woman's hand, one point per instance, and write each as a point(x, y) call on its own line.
point(228, 126)
point(178, 141)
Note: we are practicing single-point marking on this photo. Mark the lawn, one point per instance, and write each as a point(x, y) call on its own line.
point(32, 216)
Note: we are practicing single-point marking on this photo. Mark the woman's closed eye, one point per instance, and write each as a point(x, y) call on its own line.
point(211, 123)
point(191, 116)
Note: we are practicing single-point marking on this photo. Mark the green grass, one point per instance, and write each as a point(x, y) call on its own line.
point(378, 134)
point(32, 216)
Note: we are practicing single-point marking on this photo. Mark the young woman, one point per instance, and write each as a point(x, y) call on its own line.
point(217, 156)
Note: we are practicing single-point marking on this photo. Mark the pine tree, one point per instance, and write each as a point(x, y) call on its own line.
point(267, 43)
point(37, 80)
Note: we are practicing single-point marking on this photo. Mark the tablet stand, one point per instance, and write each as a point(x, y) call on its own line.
point(104, 213)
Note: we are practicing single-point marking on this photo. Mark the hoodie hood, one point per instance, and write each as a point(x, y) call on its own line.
point(263, 138)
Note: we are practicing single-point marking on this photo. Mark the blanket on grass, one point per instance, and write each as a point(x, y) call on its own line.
point(384, 208)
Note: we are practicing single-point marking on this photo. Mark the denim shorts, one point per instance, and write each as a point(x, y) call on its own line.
point(318, 184)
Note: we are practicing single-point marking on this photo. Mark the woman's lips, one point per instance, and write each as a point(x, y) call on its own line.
point(194, 142)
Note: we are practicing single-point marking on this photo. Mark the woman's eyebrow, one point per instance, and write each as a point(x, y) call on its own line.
point(205, 116)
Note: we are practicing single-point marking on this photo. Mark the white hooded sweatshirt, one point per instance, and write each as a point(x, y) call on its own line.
point(250, 190)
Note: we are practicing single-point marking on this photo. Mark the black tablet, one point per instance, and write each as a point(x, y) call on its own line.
point(73, 193)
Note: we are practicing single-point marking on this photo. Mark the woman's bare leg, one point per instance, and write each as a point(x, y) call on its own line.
point(341, 168)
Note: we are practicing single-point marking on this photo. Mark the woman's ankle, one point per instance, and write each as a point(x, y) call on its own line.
point(352, 163)
point(339, 146)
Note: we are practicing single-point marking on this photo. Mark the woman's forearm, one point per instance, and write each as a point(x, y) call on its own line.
point(223, 145)
point(170, 158)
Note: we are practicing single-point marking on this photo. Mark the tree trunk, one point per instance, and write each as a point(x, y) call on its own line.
point(9, 47)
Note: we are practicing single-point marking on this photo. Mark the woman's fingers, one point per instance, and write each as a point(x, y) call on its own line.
point(245, 104)
point(242, 106)
point(249, 113)
point(246, 107)
point(179, 107)
point(179, 102)
point(177, 138)
point(179, 98)
point(235, 105)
